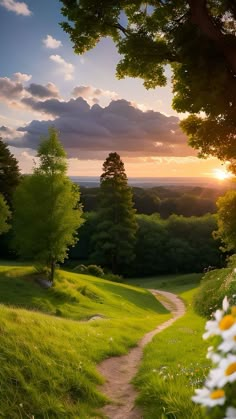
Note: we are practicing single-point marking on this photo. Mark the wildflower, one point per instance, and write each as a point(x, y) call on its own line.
point(229, 340)
point(230, 413)
point(224, 373)
point(225, 304)
point(213, 356)
point(208, 397)
point(212, 326)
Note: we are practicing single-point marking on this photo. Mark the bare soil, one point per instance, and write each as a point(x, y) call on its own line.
point(119, 371)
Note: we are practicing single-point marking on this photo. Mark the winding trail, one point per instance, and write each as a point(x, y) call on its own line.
point(119, 371)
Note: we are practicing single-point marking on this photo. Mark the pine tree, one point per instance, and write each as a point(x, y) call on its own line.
point(115, 235)
point(47, 214)
point(9, 173)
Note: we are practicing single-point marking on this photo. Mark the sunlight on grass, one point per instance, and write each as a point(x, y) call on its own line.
point(48, 359)
point(167, 378)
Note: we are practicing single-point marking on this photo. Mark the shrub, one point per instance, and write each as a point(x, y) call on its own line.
point(215, 285)
point(112, 277)
point(95, 270)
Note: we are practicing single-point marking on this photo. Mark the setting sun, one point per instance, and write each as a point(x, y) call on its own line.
point(222, 174)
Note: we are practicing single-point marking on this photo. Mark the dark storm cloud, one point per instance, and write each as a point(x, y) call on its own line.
point(91, 132)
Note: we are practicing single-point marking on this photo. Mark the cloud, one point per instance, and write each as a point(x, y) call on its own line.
point(51, 42)
point(9, 133)
point(10, 89)
point(38, 90)
point(21, 77)
point(92, 132)
point(92, 94)
point(20, 8)
point(66, 68)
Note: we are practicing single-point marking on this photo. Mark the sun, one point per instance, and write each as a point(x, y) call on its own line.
point(222, 174)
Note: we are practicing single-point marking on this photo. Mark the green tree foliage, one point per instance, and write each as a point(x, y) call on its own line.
point(116, 229)
point(4, 215)
point(181, 200)
point(197, 38)
point(9, 172)
point(47, 213)
point(177, 244)
point(226, 220)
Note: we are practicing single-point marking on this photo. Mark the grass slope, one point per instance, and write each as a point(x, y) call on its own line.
point(174, 363)
point(48, 357)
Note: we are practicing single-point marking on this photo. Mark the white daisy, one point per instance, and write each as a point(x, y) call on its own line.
point(229, 340)
point(230, 413)
point(224, 373)
point(225, 304)
point(212, 326)
point(209, 398)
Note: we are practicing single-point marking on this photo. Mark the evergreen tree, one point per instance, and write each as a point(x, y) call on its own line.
point(115, 234)
point(47, 214)
point(9, 173)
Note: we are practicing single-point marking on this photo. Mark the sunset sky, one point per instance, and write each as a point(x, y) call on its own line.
point(43, 83)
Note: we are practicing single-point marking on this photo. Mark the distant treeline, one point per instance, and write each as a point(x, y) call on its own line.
point(177, 244)
point(181, 200)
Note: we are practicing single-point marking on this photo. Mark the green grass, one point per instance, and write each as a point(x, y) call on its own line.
point(174, 363)
point(48, 350)
point(173, 283)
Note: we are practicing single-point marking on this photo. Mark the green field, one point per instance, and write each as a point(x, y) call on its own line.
point(174, 363)
point(49, 349)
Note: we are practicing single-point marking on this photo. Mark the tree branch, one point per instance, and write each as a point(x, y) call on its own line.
point(201, 18)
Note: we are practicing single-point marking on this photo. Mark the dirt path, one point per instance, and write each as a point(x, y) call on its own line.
point(119, 371)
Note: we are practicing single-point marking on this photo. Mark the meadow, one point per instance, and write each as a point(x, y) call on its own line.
point(49, 349)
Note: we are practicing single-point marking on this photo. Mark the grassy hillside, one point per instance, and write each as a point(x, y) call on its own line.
point(173, 283)
point(167, 378)
point(49, 349)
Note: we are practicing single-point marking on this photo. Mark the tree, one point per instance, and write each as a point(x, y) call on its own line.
point(9, 173)
point(197, 38)
point(226, 220)
point(115, 235)
point(4, 215)
point(47, 213)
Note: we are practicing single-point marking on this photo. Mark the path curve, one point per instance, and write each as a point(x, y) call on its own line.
point(119, 371)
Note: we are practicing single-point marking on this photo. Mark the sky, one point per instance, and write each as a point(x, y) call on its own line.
point(43, 83)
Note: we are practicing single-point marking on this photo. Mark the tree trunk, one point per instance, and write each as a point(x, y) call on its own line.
point(225, 43)
point(52, 270)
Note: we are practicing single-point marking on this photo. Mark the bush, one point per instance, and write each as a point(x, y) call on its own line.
point(95, 270)
point(112, 277)
point(214, 287)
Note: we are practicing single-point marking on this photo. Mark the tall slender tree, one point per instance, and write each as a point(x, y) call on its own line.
point(9, 173)
point(115, 234)
point(47, 213)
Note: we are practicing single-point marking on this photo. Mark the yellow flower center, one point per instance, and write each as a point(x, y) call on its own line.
point(217, 394)
point(230, 369)
point(227, 322)
point(233, 311)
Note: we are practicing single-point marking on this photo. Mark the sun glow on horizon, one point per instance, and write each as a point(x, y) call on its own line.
point(222, 174)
